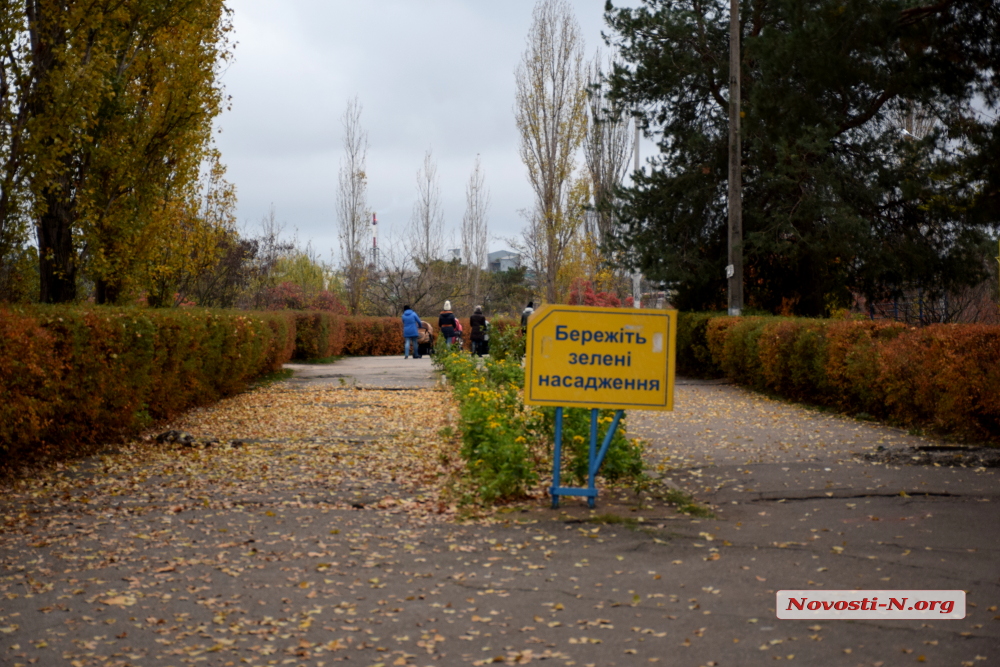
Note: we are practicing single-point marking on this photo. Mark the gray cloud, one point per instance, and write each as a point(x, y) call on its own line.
point(435, 74)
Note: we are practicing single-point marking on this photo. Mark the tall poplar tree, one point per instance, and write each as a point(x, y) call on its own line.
point(551, 114)
point(107, 106)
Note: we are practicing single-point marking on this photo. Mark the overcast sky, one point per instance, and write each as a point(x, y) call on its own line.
point(430, 74)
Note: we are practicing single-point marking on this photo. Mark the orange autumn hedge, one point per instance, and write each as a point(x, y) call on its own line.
point(373, 336)
point(944, 377)
point(321, 334)
point(74, 377)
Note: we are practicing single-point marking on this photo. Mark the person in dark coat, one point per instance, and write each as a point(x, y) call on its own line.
point(411, 324)
point(529, 309)
point(478, 334)
point(446, 323)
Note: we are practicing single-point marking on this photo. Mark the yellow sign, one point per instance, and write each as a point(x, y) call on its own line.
point(618, 358)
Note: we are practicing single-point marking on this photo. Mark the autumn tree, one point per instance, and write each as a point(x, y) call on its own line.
point(475, 233)
point(352, 207)
point(63, 81)
point(186, 237)
point(582, 257)
point(506, 292)
point(404, 280)
point(301, 281)
point(147, 206)
point(116, 101)
point(550, 111)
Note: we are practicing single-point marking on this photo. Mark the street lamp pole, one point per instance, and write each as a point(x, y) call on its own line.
point(734, 271)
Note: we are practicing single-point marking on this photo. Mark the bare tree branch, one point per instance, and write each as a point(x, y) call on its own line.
point(352, 207)
point(474, 228)
point(607, 148)
point(426, 234)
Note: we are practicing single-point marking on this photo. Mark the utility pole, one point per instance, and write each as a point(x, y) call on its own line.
point(735, 269)
point(636, 276)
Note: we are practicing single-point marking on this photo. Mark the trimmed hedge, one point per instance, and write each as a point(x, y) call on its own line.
point(319, 335)
point(693, 356)
point(945, 377)
point(373, 336)
point(74, 377)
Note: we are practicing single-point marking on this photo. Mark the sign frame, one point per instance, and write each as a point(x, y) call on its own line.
point(600, 318)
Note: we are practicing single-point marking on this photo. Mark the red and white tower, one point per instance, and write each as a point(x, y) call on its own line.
point(374, 241)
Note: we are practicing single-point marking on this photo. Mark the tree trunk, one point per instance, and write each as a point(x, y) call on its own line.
point(551, 265)
point(56, 255)
point(106, 291)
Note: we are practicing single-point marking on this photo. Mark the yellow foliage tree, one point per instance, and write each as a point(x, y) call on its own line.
point(186, 236)
point(119, 101)
point(581, 258)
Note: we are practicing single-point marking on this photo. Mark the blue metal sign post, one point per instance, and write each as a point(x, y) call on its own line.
point(594, 459)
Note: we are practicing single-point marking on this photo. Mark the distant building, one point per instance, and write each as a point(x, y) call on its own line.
point(453, 253)
point(503, 260)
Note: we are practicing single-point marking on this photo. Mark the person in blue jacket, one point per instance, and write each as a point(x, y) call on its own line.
point(411, 325)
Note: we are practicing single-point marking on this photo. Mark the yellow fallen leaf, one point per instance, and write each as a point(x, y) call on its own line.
point(122, 600)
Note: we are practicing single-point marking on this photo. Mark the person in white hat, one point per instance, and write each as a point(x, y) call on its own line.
point(447, 322)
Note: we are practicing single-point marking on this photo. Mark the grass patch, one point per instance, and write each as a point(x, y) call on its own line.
point(687, 504)
point(272, 378)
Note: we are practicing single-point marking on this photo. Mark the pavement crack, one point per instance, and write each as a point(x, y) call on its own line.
point(914, 494)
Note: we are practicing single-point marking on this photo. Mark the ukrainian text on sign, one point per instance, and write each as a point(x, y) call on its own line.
point(601, 357)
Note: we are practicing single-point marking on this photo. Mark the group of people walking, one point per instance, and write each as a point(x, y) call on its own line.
point(418, 333)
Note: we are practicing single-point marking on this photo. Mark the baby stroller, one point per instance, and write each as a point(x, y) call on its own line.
point(425, 338)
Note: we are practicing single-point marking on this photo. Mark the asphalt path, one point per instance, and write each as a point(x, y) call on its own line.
point(341, 570)
point(367, 372)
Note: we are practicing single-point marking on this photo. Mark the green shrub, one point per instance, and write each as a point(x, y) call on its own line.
point(494, 438)
point(623, 459)
point(694, 359)
point(506, 340)
point(505, 444)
